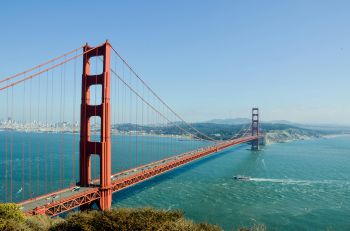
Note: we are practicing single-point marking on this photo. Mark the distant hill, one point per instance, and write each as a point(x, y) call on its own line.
point(223, 129)
point(279, 132)
point(281, 122)
point(319, 127)
point(235, 121)
point(230, 121)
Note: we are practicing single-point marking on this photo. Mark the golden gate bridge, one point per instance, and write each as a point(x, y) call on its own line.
point(57, 158)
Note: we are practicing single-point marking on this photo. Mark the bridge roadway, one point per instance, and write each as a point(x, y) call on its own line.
point(67, 199)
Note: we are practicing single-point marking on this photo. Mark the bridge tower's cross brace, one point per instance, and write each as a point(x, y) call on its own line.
point(255, 128)
point(101, 148)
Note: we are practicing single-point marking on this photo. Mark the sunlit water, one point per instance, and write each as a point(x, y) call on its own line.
point(302, 185)
point(46, 162)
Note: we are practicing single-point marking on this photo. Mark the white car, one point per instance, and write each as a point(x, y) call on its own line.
point(76, 188)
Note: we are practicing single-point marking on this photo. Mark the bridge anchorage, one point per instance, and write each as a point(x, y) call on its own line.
point(131, 105)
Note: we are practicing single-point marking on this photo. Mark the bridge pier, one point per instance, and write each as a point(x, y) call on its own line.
point(255, 128)
point(101, 148)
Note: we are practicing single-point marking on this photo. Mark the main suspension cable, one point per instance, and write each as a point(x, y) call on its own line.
point(40, 65)
point(151, 106)
point(150, 89)
point(44, 70)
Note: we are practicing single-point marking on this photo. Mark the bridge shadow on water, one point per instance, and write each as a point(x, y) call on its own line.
point(133, 190)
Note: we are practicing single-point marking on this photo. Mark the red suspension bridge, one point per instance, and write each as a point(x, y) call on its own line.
point(55, 158)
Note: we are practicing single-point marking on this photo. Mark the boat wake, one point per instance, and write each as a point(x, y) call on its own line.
point(293, 181)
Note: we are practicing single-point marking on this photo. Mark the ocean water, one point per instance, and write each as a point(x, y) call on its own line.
point(301, 185)
point(40, 163)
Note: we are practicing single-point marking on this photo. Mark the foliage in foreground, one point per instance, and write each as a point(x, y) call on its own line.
point(11, 218)
point(130, 219)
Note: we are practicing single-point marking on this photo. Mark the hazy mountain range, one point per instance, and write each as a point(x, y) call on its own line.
point(323, 126)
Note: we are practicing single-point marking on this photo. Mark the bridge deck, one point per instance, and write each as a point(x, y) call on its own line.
point(64, 200)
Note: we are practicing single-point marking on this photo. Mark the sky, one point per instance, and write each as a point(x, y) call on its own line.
point(206, 59)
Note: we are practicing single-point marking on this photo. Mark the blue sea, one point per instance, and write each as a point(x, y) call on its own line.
point(301, 185)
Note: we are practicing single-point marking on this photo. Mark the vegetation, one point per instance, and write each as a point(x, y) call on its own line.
point(11, 218)
point(131, 219)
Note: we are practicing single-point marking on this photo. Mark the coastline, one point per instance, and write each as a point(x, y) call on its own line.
point(269, 141)
point(131, 133)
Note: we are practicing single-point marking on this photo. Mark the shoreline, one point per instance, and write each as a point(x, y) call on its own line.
point(332, 136)
point(134, 134)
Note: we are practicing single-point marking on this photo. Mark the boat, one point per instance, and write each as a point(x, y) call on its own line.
point(243, 178)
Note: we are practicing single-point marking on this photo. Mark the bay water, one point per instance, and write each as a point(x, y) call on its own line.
point(300, 185)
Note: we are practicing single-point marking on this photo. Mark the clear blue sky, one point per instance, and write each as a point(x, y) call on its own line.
point(207, 59)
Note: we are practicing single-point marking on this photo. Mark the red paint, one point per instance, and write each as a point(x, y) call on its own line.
point(94, 194)
point(103, 147)
point(255, 128)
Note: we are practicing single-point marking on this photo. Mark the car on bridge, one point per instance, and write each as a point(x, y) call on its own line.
point(76, 188)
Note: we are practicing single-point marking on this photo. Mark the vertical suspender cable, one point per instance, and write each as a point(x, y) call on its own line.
point(130, 116)
point(136, 132)
point(61, 133)
point(23, 138)
point(123, 146)
point(11, 147)
point(30, 141)
point(51, 124)
point(158, 122)
point(46, 128)
point(116, 108)
point(142, 128)
point(73, 122)
point(6, 146)
point(63, 120)
point(38, 143)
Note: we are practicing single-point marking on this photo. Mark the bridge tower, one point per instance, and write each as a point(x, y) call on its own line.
point(255, 128)
point(100, 148)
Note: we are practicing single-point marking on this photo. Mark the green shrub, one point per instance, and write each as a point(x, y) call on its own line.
point(11, 211)
point(130, 219)
point(121, 219)
point(11, 217)
point(12, 225)
point(41, 222)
